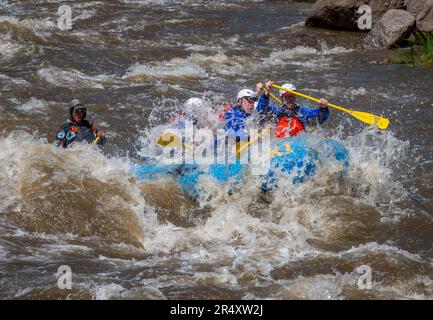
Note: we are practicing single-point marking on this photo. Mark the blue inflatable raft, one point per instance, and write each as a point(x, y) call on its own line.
point(291, 158)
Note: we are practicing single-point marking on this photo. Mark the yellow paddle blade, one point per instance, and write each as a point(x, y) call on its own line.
point(96, 140)
point(169, 139)
point(382, 123)
point(371, 119)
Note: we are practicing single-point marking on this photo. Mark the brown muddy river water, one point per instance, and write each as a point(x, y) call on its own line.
point(135, 61)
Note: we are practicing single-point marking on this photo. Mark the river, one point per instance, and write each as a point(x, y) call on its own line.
point(132, 62)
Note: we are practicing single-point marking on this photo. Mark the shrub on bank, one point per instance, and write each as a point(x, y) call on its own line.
point(421, 50)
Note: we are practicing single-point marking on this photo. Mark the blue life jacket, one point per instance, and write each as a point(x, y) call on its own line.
point(235, 123)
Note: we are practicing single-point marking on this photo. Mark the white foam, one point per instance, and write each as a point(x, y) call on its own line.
point(173, 69)
point(197, 66)
point(39, 27)
point(34, 105)
point(376, 248)
point(306, 56)
point(84, 15)
point(336, 50)
point(71, 78)
point(17, 81)
point(281, 56)
point(207, 60)
point(319, 287)
point(8, 47)
point(108, 291)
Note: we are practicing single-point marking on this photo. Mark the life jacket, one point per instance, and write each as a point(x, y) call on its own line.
point(84, 131)
point(288, 126)
point(222, 113)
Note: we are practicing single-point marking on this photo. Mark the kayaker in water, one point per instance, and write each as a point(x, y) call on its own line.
point(235, 118)
point(77, 129)
point(290, 118)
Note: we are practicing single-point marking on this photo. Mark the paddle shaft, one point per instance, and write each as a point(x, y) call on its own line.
point(273, 96)
point(371, 119)
point(311, 98)
point(252, 141)
point(187, 146)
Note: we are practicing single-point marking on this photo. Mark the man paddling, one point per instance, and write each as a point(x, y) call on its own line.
point(236, 117)
point(290, 118)
point(77, 129)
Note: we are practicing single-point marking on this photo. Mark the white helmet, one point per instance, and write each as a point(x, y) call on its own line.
point(246, 93)
point(287, 86)
point(192, 104)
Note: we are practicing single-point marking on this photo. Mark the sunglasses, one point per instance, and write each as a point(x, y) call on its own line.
point(251, 100)
point(80, 111)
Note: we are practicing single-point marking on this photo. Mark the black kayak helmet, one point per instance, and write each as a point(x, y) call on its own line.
point(76, 104)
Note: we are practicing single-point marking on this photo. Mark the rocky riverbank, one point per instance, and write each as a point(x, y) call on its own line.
point(389, 23)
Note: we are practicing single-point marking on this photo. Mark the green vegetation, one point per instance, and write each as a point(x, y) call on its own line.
point(421, 51)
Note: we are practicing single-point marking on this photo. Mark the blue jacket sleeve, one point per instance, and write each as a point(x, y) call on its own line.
point(262, 104)
point(264, 108)
point(322, 114)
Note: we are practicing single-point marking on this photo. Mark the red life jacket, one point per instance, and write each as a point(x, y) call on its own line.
point(288, 126)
